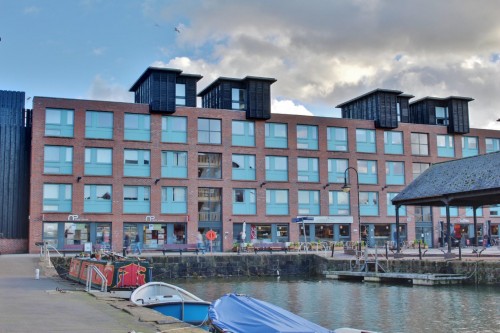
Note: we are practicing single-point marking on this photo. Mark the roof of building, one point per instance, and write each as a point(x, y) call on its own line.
point(222, 79)
point(397, 92)
point(150, 70)
point(472, 181)
point(423, 99)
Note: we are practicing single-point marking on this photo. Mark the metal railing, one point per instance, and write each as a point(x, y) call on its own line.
point(104, 281)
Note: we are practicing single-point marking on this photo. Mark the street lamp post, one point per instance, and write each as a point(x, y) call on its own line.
point(347, 188)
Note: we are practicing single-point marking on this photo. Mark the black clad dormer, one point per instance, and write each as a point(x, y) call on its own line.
point(452, 112)
point(157, 88)
point(384, 106)
point(251, 94)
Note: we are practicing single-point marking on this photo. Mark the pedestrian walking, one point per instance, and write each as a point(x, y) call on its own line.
point(199, 242)
point(137, 246)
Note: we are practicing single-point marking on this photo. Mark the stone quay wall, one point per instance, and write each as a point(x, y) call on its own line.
point(208, 266)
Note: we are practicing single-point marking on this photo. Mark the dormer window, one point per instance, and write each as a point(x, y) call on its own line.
point(180, 94)
point(441, 116)
point(238, 100)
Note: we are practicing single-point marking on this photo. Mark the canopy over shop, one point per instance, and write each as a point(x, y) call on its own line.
point(472, 181)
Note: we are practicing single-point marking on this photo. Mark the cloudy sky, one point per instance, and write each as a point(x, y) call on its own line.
point(321, 52)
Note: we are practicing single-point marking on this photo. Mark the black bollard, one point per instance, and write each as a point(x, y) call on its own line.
point(419, 251)
point(459, 251)
point(333, 249)
point(386, 250)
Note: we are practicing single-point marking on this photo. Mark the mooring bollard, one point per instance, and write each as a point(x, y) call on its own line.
point(37, 274)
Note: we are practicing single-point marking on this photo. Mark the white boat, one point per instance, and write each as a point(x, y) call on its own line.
point(171, 301)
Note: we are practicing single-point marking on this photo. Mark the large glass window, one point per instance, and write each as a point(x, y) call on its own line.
point(441, 115)
point(174, 200)
point(174, 129)
point(244, 201)
point(57, 198)
point(336, 138)
point(393, 142)
point(368, 203)
point(492, 145)
point(209, 204)
point(209, 131)
point(495, 210)
point(209, 166)
point(307, 137)
point(98, 125)
point(453, 211)
point(174, 164)
point(58, 160)
point(469, 211)
point(97, 199)
point(277, 168)
point(308, 202)
point(136, 163)
point(365, 141)
point(137, 127)
point(307, 168)
point(419, 144)
point(423, 214)
point(336, 169)
point(76, 233)
point(367, 171)
point(180, 94)
point(419, 168)
point(98, 161)
point(276, 135)
point(445, 146)
point(136, 199)
point(338, 203)
point(277, 202)
point(394, 173)
point(391, 209)
point(243, 167)
point(243, 133)
point(238, 99)
point(469, 146)
point(59, 122)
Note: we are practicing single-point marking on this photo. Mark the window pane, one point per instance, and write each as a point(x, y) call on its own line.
point(52, 153)
point(104, 156)
point(53, 117)
point(131, 121)
point(50, 191)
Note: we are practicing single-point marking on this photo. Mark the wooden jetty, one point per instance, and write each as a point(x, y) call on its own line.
point(416, 279)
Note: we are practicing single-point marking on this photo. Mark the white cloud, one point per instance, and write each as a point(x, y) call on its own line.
point(324, 53)
point(289, 107)
point(98, 51)
point(103, 90)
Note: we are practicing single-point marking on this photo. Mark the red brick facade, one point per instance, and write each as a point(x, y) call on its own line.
point(38, 178)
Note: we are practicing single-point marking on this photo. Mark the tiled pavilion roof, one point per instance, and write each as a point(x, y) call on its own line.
point(472, 181)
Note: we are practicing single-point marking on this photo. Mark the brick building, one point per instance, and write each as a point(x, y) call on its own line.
point(163, 169)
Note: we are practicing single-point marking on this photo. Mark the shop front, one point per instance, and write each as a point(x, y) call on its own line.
point(379, 234)
point(262, 232)
point(66, 234)
point(153, 235)
point(324, 228)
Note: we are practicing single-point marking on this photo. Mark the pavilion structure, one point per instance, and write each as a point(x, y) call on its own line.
point(467, 182)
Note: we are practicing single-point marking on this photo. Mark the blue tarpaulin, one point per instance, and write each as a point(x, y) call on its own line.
point(244, 314)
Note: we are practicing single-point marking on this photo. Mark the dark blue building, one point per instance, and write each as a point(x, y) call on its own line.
point(15, 151)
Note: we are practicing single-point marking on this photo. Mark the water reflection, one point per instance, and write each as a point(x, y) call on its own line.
point(378, 307)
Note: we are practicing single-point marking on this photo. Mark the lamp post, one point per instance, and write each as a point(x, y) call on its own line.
point(347, 188)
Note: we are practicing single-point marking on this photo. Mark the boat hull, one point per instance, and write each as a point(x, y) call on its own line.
point(191, 313)
point(119, 274)
point(172, 301)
